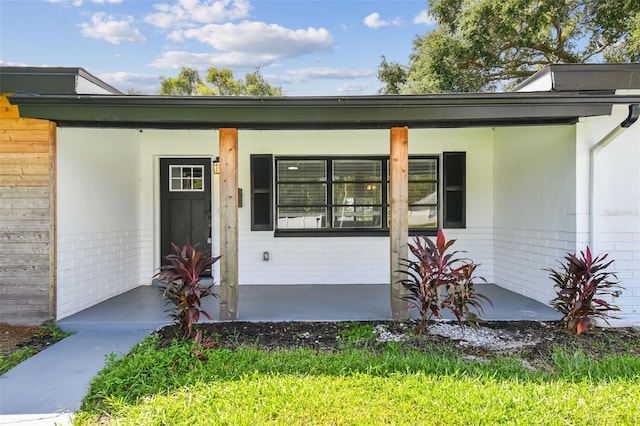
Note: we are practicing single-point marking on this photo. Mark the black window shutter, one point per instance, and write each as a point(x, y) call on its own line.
point(261, 192)
point(454, 186)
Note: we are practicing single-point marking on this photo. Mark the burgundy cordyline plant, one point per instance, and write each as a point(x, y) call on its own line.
point(581, 282)
point(180, 285)
point(438, 280)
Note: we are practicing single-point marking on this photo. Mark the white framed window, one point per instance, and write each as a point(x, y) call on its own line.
point(186, 178)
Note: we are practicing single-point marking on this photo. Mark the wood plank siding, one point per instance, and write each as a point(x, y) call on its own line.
point(27, 217)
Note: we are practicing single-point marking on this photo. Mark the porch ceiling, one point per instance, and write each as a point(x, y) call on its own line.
point(361, 112)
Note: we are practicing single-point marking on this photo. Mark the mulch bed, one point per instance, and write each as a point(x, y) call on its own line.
point(539, 338)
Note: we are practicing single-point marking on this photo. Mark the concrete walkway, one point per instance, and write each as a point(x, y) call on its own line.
point(55, 380)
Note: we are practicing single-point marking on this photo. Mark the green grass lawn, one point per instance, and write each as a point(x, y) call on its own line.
point(385, 385)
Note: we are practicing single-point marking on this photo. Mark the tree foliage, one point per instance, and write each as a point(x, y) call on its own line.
point(218, 82)
point(484, 45)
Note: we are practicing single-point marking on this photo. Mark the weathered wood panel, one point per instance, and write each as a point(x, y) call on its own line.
point(39, 271)
point(7, 286)
point(22, 214)
point(25, 180)
point(399, 186)
point(8, 146)
point(25, 170)
point(20, 236)
point(24, 250)
point(24, 202)
point(27, 217)
point(33, 192)
point(7, 123)
point(8, 292)
point(7, 110)
point(21, 158)
point(22, 135)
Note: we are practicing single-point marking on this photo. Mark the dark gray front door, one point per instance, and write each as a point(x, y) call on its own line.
point(185, 203)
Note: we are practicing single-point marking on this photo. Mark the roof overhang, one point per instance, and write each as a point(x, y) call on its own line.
point(583, 77)
point(360, 112)
point(52, 81)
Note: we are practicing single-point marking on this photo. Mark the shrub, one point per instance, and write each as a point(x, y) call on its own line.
point(180, 285)
point(438, 280)
point(581, 281)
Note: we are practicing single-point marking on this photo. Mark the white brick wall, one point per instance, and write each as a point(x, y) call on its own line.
point(477, 244)
point(624, 249)
point(93, 267)
point(534, 204)
point(332, 260)
point(521, 257)
point(616, 210)
point(99, 242)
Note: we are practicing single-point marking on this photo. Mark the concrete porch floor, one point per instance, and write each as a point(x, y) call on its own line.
point(144, 308)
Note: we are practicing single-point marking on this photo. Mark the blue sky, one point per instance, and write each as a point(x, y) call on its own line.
point(307, 47)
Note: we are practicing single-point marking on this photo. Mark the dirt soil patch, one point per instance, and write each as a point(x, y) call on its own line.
point(14, 337)
point(533, 341)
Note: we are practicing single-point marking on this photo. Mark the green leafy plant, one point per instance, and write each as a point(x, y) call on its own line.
point(50, 329)
point(180, 285)
point(581, 282)
point(7, 362)
point(439, 280)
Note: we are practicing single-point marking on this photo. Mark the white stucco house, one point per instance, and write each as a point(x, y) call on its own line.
point(315, 190)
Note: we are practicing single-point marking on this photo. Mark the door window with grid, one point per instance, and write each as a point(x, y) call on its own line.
point(186, 178)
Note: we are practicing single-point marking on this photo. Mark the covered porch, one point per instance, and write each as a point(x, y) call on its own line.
point(144, 308)
point(511, 217)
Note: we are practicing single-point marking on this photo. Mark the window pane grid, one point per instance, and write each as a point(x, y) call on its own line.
point(186, 178)
point(354, 195)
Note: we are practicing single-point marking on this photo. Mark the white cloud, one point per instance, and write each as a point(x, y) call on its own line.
point(79, 2)
point(424, 18)
point(105, 27)
point(244, 45)
point(260, 38)
point(301, 75)
point(236, 44)
point(124, 81)
point(373, 21)
point(13, 64)
point(352, 89)
point(203, 61)
point(67, 2)
point(187, 13)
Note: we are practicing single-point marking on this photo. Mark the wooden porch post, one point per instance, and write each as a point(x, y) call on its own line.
point(228, 224)
point(399, 231)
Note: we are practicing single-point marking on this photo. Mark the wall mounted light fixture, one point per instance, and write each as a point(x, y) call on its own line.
point(216, 166)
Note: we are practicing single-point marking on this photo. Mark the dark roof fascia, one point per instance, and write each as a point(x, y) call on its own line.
point(56, 80)
point(420, 111)
point(587, 77)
